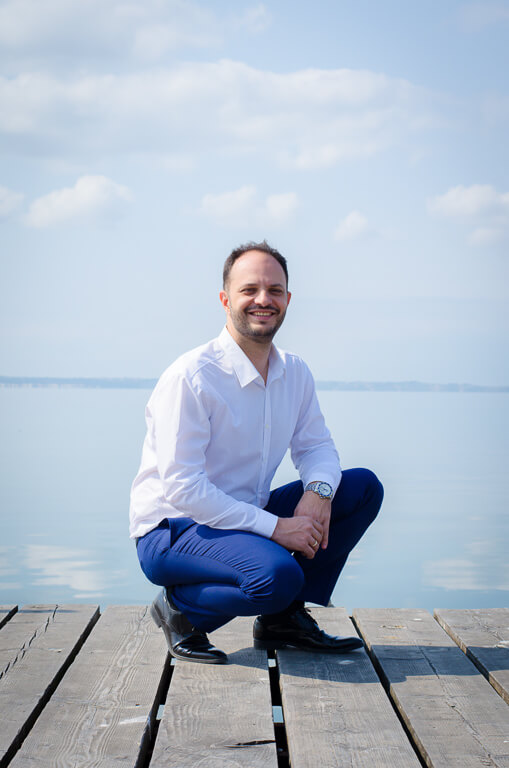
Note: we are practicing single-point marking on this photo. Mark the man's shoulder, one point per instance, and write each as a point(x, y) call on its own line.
point(293, 362)
point(191, 363)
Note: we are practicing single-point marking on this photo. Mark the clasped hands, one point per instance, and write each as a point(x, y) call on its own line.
point(308, 529)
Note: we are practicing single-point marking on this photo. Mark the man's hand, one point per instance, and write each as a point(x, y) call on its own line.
point(300, 534)
point(319, 510)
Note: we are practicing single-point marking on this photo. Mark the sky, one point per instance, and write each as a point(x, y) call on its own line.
point(142, 140)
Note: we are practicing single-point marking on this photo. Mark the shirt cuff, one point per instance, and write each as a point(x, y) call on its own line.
point(265, 523)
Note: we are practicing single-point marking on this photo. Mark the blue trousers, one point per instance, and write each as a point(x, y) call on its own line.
point(216, 574)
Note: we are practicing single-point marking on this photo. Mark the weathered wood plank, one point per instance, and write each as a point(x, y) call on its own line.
point(105, 707)
point(454, 716)
point(6, 613)
point(36, 647)
point(336, 710)
point(219, 716)
point(483, 634)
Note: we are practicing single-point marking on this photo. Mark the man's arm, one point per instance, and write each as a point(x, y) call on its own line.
point(180, 430)
point(312, 448)
point(315, 457)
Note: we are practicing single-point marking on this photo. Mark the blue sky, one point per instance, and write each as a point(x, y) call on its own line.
point(141, 141)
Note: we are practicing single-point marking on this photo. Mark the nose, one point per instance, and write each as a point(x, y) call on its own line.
point(263, 297)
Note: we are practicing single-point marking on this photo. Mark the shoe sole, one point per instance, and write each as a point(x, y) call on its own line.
point(276, 645)
point(268, 645)
point(159, 623)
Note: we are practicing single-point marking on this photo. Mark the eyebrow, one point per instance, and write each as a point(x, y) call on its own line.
point(255, 285)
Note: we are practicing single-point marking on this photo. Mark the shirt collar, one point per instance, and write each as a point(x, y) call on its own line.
point(242, 365)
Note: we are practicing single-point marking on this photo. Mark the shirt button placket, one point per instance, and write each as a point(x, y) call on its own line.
point(265, 442)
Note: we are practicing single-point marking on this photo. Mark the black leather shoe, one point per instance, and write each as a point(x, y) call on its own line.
point(298, 630)
point(184, 640)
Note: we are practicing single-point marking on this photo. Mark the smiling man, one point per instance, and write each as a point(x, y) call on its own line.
point(208, 528)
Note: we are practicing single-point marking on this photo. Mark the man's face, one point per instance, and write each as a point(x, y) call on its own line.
point(255, 298)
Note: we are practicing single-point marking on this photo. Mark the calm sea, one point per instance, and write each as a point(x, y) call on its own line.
point(68, 457)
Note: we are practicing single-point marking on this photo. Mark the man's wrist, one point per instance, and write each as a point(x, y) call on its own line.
point(320, 488)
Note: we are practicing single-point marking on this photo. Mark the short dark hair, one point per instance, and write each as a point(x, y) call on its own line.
point(238, 252)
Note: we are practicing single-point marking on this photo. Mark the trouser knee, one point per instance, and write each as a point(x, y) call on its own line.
point(374, 493)
point(360, 491)
point(278, 588)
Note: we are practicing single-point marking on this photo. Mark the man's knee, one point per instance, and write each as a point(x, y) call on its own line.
point(281, 582)
point(374, 491)
point(359, 490)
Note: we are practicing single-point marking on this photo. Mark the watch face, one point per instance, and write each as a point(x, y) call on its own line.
point(324, 489)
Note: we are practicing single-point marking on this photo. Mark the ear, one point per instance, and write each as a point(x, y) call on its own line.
point(223, 298)
point(288, 296)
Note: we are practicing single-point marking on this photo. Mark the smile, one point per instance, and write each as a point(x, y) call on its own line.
point(261, 313)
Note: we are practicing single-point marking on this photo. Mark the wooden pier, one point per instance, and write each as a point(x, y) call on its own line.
point(79, 689)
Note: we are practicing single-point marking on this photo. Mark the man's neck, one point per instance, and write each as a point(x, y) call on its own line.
point(257, 351)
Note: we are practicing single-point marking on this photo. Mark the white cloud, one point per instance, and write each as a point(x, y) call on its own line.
point(352, 227)
point(91, 197)
point(469, 201)
point(84, 34)
point(9, 201)
point(306, 119)
point(480, 205)
point(243, 206)
point(229, 205)
point(180, 24)
point(281, 207)
point(256, 19)
point(485, 236)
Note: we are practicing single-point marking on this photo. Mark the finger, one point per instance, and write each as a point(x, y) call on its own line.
point(309, 551)
point(325, 539)
point(315, 546)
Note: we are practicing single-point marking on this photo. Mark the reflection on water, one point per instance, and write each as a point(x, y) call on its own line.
point(58, 566)
point(464, 574)
point(68, 458)
point(8, 573)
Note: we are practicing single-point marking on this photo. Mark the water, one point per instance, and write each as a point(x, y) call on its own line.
point(68, 457)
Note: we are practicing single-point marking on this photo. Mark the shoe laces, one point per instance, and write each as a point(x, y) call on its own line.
point(197, 640)
point(306, 614)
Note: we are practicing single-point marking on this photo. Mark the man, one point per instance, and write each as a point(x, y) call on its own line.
point(207, 527)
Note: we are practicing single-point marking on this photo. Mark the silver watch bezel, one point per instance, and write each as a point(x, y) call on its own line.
point(316, 485)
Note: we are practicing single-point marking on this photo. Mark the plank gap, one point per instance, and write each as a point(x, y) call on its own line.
point(278, 716)
point(156, 713)
point(483, 636)
point(6, 613)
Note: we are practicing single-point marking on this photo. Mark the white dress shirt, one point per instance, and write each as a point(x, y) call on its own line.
point(216, 433)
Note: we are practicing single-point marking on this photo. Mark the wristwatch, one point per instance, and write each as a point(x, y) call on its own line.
point(324, 490)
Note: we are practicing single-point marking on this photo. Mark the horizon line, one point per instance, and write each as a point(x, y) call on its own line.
point(130, 382)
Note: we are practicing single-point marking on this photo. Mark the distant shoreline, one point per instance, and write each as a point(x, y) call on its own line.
point(37, 382)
